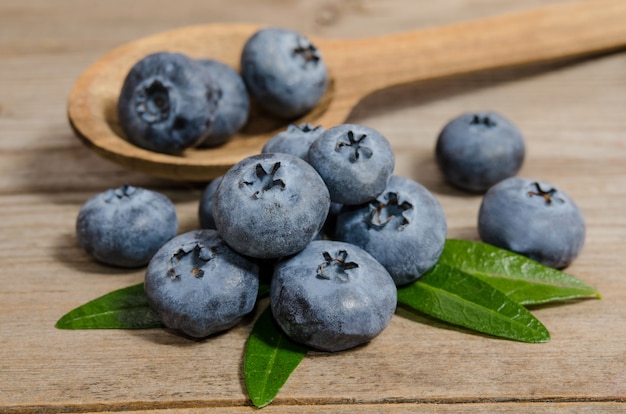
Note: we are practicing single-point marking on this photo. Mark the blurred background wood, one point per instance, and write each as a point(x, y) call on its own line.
point(572, 116)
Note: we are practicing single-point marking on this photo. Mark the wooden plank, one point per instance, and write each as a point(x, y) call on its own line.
point(572, 118)
point(517, 407)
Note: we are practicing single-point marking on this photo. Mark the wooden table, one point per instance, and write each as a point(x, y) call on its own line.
point(571, 113)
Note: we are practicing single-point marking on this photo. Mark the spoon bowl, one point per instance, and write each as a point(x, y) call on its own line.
point(357, 67)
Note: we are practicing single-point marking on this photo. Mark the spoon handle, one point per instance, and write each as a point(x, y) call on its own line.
point(547, 33)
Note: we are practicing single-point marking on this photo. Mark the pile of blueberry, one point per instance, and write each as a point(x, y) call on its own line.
point(320, 210)
point(482, 152)
point(170, 102)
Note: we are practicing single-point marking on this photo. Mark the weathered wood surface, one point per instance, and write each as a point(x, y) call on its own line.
point(571, 113)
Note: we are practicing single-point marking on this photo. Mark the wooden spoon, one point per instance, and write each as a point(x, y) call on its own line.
point(357, 68)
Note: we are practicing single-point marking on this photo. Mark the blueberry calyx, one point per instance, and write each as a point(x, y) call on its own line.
point(548, 195)
point(217, 94)
point(484, 121)
point(303, 128)
point(125, 191)
point(354, 146)
point(264, 180)
point(335, 268)
point(189, 256)
point(152, 102)
point(307, 52)
point(382, 213)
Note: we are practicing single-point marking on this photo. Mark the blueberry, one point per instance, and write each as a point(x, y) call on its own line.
point(355, 162)
point(283, 71)
point(198, 285)
point(165, 104)
point(532, 218)
point(476, 150)
point(126, 226)
point(295, 140)
point(233, 103)
point(404, 228)
point(205, 209)
point(332, 296)
point(270, 205)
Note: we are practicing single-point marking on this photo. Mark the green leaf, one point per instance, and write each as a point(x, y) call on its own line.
point(270, 358)
point(523, 280)
point(121, 309)
point(462, 299)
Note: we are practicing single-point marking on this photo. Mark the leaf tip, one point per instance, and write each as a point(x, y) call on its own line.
point(62, 323)
point(542, 337)
point(260, 403)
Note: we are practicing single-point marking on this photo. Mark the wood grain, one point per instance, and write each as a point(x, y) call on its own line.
point(572, 117)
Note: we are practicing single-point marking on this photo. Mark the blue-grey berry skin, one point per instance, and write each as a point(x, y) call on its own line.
point(404, 228)
point(233, 103)
point(355, 162)
point(479, 149)
point(295, 140)
point(532, 218)
point(270, 205)
point(165, 104)
point(332, 296)
point(200, 286)
point(126, 226)
point(205, 209)
point(283, 71)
